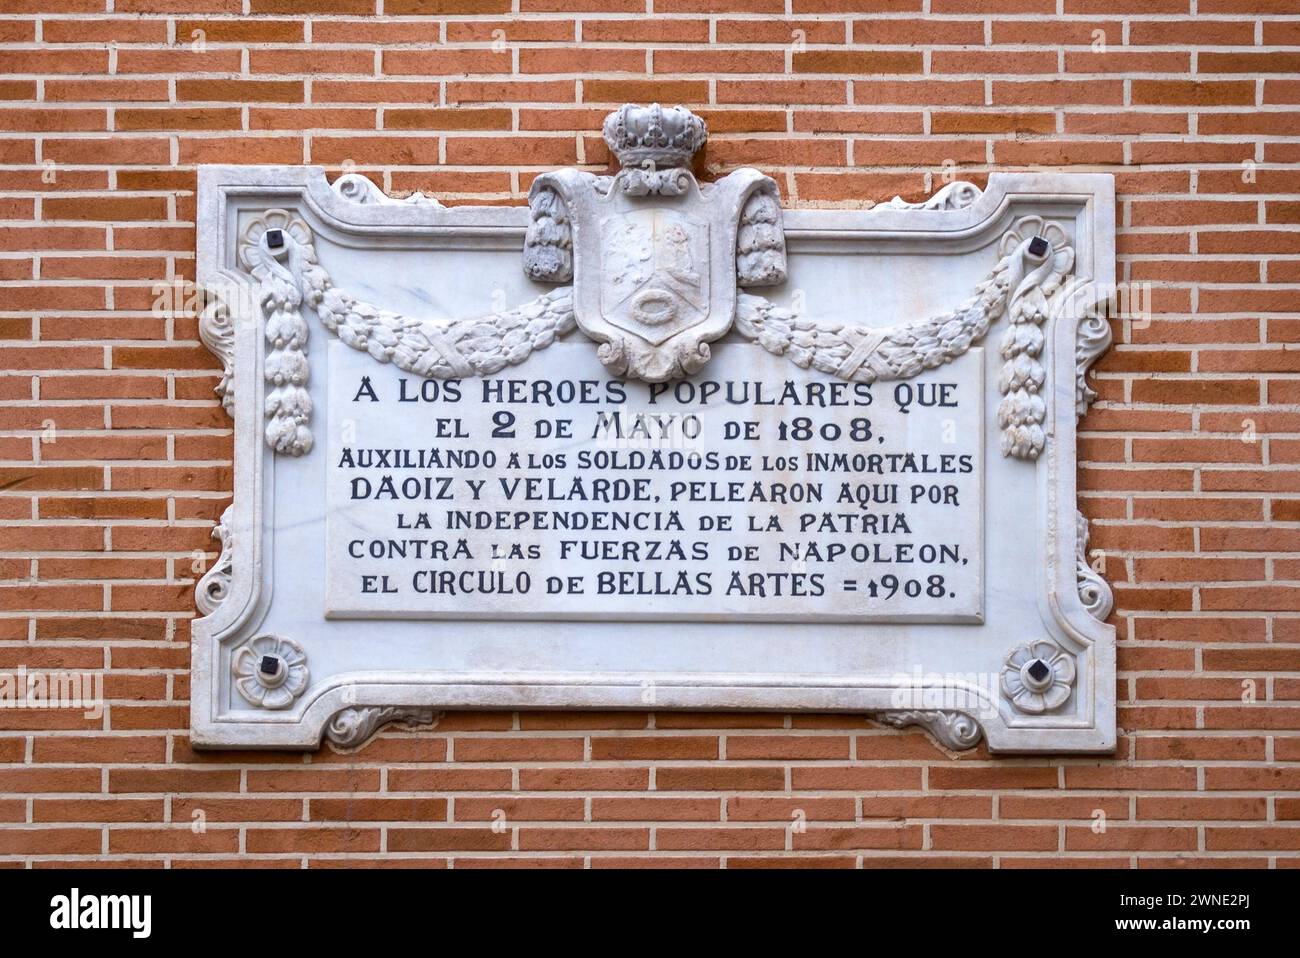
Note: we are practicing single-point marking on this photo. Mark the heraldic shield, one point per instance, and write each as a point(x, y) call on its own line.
point(652, 253)
point(656, 272)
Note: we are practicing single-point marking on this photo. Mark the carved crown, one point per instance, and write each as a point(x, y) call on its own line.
point(666, 137)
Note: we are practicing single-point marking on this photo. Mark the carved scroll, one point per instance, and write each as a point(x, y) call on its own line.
point(215, 584)
point(955, 730)
point(217, 332)
point(362, 190)
point(1094, 591)
point(1093, 339)
point(954, 196)
point(352, 727)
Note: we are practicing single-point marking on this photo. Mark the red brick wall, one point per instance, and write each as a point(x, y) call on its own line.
point(115, 456)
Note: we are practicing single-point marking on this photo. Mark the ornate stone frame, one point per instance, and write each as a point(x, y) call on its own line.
point(347, 707)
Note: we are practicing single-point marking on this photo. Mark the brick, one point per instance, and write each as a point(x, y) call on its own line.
point(993, 837)
point(656, 748)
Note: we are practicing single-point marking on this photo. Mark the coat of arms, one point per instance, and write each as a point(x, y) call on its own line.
point(651, 251)
point(656, 272)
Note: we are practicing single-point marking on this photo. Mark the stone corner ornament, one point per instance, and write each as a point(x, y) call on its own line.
point(653, 443)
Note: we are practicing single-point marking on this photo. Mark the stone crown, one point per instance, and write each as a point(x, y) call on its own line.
point(664, 137)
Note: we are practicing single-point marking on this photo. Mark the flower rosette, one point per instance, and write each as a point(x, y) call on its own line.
point(1038, 677)
point(270, 671)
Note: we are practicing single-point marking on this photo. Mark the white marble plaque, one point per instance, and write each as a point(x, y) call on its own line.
point(649, 443)
point(751, 492)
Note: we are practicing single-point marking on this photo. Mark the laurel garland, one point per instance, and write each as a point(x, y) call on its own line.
point(1018, 284)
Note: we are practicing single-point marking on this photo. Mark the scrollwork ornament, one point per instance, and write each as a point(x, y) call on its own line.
point(954, 196)
point(217, 333)
point(650, 181)
point(215, 584)
point(956, 730)
point(1094, 591)
point(1093, 339)
point(351, 727)
point(364, 191)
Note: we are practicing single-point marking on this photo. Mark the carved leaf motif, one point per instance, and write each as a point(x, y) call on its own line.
point(1094, 591)
point(1045, 258)
point(215, 584)
point(548, 244)
point(867, 354)
point(760, 241)
point(954, 196)
point(956, 730)
point(351, 727)
point(439, 349)
point(1019, 285)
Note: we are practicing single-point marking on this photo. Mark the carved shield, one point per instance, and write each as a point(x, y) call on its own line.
point(654, 261)
point(654, 272)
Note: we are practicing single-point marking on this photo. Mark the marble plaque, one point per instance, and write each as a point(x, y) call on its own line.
point(651, 443)
point(755, 491)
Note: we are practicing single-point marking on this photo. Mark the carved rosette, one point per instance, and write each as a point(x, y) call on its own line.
point(213, 588)
point(351, 727)
point(1038, 677)
point(1094, 591)
point(270, 671)
point(956, 730)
